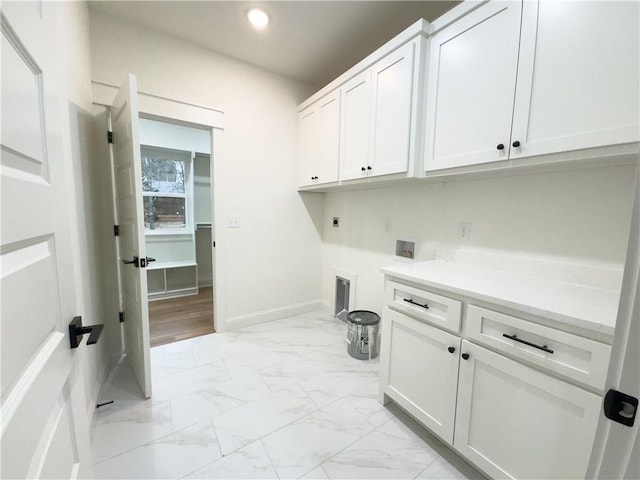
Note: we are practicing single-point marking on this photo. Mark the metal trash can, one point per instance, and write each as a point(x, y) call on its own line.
point(362, 334)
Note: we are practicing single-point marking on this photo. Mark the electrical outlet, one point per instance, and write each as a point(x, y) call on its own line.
point(464, 231)
point(336, 221)
point(233, 221)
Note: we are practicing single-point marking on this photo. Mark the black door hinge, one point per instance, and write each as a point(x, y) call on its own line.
point(109, 136)
point(116, 230)
point(121, 316)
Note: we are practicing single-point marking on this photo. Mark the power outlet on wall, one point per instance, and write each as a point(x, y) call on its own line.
point(336, 221)
point(464, 231)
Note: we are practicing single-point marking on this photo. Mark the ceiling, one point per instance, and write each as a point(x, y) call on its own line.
point(310, 41)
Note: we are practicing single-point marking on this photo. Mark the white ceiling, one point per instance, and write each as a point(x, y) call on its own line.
point(310, 41)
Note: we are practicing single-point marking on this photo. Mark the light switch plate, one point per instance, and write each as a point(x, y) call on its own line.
point(233, 221)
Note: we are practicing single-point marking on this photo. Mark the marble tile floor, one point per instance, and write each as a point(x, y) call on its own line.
point(278, 400)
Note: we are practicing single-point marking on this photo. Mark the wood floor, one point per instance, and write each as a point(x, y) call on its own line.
point(182, 317)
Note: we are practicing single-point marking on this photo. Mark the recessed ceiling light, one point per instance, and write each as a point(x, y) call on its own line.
point(258, 17)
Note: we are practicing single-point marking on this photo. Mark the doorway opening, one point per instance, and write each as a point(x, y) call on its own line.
point(178, 225)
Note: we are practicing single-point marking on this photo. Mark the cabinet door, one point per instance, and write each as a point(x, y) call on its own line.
point(516, 422)
point(356, 103)
point(578, 77)
point(325, 162)
point(307, 144)
point(392, 81)
point(318, 137)
point(419, 372)
point(471, 87)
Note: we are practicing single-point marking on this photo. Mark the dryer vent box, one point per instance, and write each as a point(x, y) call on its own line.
point(405, 249)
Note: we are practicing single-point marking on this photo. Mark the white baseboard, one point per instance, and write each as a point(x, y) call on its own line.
point(325, 307)
point(269, 315)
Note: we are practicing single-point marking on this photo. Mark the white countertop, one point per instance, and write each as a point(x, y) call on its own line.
point(582, 306)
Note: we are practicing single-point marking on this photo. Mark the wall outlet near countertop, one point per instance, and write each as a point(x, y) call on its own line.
point(464, 231)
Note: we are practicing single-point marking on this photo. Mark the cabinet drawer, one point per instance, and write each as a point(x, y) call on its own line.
point(436, 309)
point(577, 358)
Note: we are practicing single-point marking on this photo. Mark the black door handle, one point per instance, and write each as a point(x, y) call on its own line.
point(135, 262)
point(150, 259)
point(76, 331)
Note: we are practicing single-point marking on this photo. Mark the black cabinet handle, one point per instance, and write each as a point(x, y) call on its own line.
point(368, 167)
point(408, 300)
point(500, 146)
point(451, 349)
point(363, 169)
point(465, 356)
point(516, 144)
point(516, 339)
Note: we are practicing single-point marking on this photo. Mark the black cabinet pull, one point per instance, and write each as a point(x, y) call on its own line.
point(465, 356)
point(500, 146)
point(516, 339)
point(368, 167)
point(408, 300)
point(363, 169)
point(451, 349)
point(516, 144)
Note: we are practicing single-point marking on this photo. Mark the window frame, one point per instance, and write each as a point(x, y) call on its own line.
point(179, 155)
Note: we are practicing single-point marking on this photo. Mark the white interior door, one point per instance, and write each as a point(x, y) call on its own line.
point(616, 453)
point(128, 176)
point(43, 416)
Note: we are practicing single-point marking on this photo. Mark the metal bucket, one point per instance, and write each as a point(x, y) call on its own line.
point(362, 334)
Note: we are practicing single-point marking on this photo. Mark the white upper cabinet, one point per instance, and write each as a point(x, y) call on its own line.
point(318, 140)
point(393, 112)
point(376, 116)
point(519, 79)
point(471, 86)
point(356, 106)
point(578, 78)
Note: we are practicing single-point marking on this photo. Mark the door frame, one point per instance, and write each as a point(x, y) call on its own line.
point(155, 107)
point(616, 446)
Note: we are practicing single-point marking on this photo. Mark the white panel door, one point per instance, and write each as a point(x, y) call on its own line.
point(128, 176)
point(355, 117)
point(471, 87)
point(422, 371)
point(392, 81)
point(578, 76)
point(517, 422)
point(43, 416)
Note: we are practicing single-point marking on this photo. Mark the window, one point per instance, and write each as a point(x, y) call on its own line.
point(166, 192)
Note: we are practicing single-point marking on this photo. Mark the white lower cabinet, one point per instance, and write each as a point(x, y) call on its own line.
point(422, 371)
point(512, 412)
point(517, 422)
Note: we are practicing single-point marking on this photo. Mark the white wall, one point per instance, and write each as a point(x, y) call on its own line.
point(270, 266)
point(580, 215)
point(75, 89)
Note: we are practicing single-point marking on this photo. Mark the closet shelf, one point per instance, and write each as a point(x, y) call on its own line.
point(177, 264)
point(203, 225)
